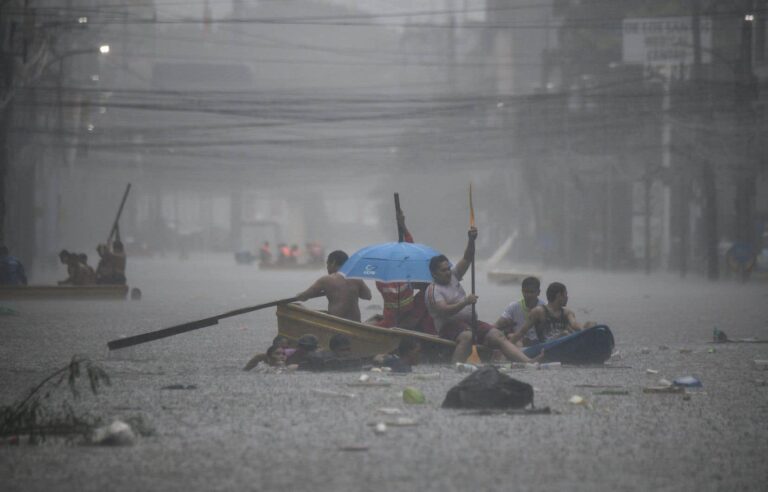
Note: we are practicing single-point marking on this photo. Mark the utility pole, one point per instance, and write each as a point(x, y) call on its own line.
point(708, 175)
point(746, 91)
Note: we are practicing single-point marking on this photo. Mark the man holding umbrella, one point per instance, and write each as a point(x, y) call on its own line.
point(451, 308)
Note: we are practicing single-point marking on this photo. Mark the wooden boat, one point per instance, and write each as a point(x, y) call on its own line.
point(508, 277)
point(295, 320)
point(63, 291)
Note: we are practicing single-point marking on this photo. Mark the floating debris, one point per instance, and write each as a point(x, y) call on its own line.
point(118, 433)
point(577, 400)
point(663, 389)
point(461, 367)
point(179, 387)
point(612, 392)
point(598, 386)
point(651, 371)
point(413, 396)
point(398, 422)
point(380, 428)
point(334, 394)
point(370, 384)
point(688, 381)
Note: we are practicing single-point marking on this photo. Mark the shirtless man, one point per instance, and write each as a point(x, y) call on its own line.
point(342, 293)
point(552, 320)
point(451, 308)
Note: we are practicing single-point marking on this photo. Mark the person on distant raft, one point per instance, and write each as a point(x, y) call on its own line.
point(79, 273)
point(265, 254)
point(404, 304)
point(111, 267)
point(11, 269)
point(342, 293)
point(514, 316)
point(552, 320)
point(451, 308)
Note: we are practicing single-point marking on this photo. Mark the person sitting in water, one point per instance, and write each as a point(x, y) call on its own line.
point(342, 293)
point(11, 269)
point(515, 315)
point(552, 320)
point(278, 341)
point(306, 345)
point(451, 308)
point(338, 358)
point(405, 357)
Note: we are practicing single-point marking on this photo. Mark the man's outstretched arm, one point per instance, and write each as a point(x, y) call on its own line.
point(469, 253)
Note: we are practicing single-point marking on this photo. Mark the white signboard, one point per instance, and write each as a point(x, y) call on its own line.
point(658, 41)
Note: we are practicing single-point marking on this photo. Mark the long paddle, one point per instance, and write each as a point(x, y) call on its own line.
point(192, 325)
point(398, 211)
point(472, 276)
point(400, 239)
point(115, 226)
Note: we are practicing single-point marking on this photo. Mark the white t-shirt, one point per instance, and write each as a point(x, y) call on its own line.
point(518, 314)
point(449, 294)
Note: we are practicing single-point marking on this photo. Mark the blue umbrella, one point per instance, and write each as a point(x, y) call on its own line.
point(391, 262)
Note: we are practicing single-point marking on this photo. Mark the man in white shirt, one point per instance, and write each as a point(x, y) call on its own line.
point(515, 315)
point(451, 308)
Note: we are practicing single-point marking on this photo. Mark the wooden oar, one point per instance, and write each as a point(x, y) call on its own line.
point(398, 211)
point(192, 325)
point(472, 265)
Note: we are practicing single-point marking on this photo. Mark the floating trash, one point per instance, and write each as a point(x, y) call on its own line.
point(413, 396)
point(179, 387)
point(663, 389)
point(334, 394)
point(651, 371)
point(549, 365)
point(118, 433)
point(577, 400)
point(462, 367)
point(380, 428)
point(687, 381)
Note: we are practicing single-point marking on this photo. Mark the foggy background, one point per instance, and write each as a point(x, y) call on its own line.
point(600, 134)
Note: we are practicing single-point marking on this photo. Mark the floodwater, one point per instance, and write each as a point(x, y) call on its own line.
point(252, 431)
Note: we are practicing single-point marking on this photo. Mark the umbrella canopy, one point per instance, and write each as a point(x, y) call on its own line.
point(391, 262)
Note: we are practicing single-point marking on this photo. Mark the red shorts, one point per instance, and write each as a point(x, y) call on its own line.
point(452, 328)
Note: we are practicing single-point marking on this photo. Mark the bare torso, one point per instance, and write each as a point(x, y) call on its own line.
point(342, 294)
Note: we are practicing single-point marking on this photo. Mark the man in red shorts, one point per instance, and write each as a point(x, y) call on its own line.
point(451, 308)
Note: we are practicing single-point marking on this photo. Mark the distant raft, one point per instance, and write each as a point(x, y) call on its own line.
point(591, 346)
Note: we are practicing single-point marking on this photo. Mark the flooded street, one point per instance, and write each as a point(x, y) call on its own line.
point(250, 431)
